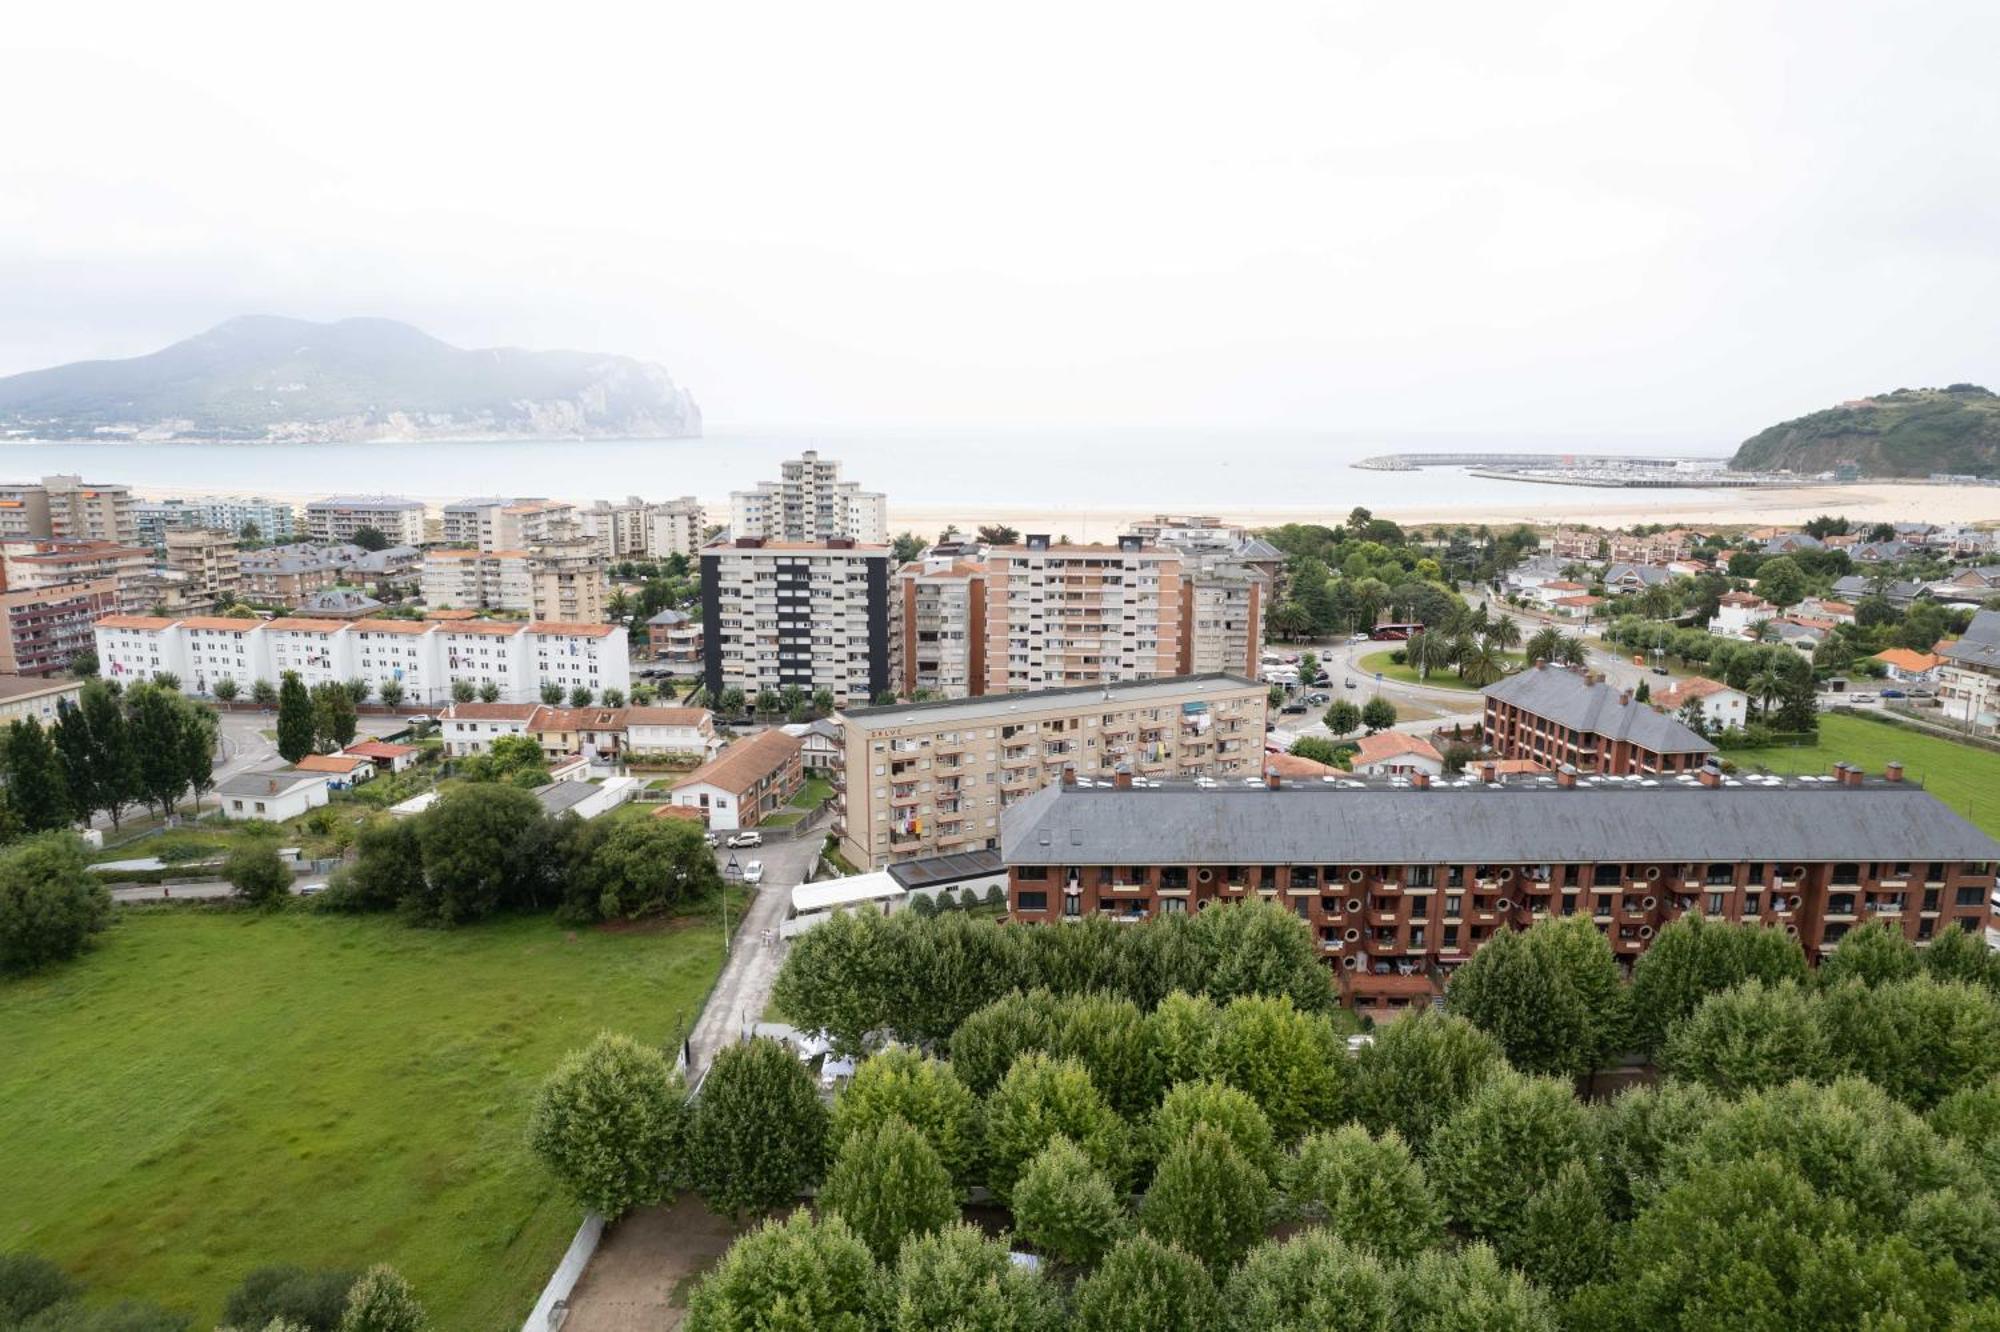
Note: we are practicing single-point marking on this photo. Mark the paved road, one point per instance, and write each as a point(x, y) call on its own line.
point(744, 988)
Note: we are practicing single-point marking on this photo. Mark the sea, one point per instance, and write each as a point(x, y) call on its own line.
point(1043, 470)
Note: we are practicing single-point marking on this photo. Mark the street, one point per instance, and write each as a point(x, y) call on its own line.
point(744, 987)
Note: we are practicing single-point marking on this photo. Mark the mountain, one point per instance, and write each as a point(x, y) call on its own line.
point(265, 378)
point(1911, 432)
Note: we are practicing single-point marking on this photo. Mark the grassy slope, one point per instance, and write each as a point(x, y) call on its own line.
point(208, 1092)
point(1965, 778)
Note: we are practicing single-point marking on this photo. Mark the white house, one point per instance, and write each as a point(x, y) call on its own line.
point(1738, 614)
point(281, 793)
point(1396, 754)
point(825, 750)
point(587, 800)
point(471, 728)
point(668, 732)
point(1721, 706)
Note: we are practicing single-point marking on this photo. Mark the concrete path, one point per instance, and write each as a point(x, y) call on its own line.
point(744, 987)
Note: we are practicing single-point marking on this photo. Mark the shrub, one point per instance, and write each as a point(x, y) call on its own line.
point(796, 1273)
point(1144, 1283)
point(758, 1133)
point(381, 1301)
point(611, 1123)
point(259, 875)
point(1039, 1099)
point(314, 1301)
point(29, 1284)
point(50, 904)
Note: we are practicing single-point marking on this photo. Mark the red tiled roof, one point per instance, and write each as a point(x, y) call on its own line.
point(1395, 744)
point(133, 622)
point(573, 628)
point(381, 749)
point(743, 763)
point(331, 762)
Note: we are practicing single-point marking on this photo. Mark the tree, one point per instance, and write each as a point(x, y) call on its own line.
point(259, 875)
point(758, 1136)
point(1145, 1285)
point(225, 689)
point(155, 719)
point(1468, 1290)
point(1207, 1197)
point(610, 1123)
point(1500, 1148)
point(1418, 1070)
point(1291, 1063)
point(1638, 1131)
point(334, 721)
point(1920, 1040)
point(488, 691)
point(1066, 1207)
point(1694, 957)
point(613, 696)
point(1311, 1282)
point(1378, 714)
point(387, 872)
point(1228, 1109)
point(1551, 995)
point(906, 547)
point(1563, 1235)
point(580, 696)
point(1781, 582)
point(1368, 1191)
point(30, 1284)
point(888, 1185)
point(957, 1277)
point(1873, 953)
point(796, 1273)
point(1750, 1037)
point(926, 1093)
point(195, 748)
point(37, 789)
point(552, 693)
point(1342, 718)
point(381, 1301)
point(822, 701)
point(1108, 1035)
point(630, 869)
point(484, 847)
point(390, 692)
point(315, 1301)
point(263, 693)
point(1038, 1099)
point(370, 538)
point(295, 718)
point(82, 663)
point(998, 534)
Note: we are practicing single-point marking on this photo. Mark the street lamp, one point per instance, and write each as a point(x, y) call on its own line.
point(732, 873)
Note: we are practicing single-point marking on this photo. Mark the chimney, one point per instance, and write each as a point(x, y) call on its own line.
point(1420, 781)
point(1892, 772)
point(1709, 777)
point(1624, 698)
point(1121, 777)
point(1541, 663)
point(1855, 774)
point(1489, 772)
point(1593, 677)
point(1273, 781)
point(1566, 776)
point(1069, 774)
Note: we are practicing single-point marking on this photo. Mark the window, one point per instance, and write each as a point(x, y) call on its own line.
point(1752, 903)
point(1420, 908)
point(1031, 901)
point(1453, 902)
point(1032, 873)
point(1072, 904)
point(1420, 876)
point(1603, 905)
point(1847, 874)
point(1715, 904)
point(1607, 876)
point(1450, 936)
point(1930, 899)
point(1966, 896)
point(1304, 876)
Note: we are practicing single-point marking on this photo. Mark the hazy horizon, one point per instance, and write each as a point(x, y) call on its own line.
point(1682, 221)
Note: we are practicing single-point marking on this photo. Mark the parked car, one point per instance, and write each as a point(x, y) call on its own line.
point(1661, 670)
point(1318, 698)
point(754, 872)
point(1357, 638)
point(1892, 693)
point(1296, 705)
point(748, 837)
point(1351, 684)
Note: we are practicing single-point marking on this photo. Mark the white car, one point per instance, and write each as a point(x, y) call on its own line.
point(753, 872)
point(743, 839)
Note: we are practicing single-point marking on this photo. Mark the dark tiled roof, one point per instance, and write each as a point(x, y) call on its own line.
point(1567, 699)
point(1516, 823)
point(1979, 645)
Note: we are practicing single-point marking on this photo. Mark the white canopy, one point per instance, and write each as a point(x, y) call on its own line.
point(875, 887)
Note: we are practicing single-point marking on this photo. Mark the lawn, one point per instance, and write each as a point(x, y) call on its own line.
point(209, 1091)
point(1965, 778)
point(1446, 678)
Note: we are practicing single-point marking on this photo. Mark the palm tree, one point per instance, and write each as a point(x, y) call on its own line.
point(1546, 644)
point(1290, 619)
point(1427, 650)
point(1766, 685)
point(1481, 665)
point(1462, 647)
point(1502, 632)
point(1570, 651)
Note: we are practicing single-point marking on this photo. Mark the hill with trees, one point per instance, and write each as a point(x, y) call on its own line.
point(1911, 432)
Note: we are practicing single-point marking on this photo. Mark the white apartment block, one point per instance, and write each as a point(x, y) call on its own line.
point(928, 779)
point(675, 528)
point(339, 517)
point(471, 579)
point(817, 615)
point(427, 658)
point(274, 520)
point(809, 502)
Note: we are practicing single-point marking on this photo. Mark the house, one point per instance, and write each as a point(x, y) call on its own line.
point(1575, 608)
point(675, 638)
point(825, 749)
point(1293, 767)
point(1558, 717)
point(587, 800)
point(342, 770)
point(1791, 543)
point(1882, 552)
point(1969, 675)
point(1900, 592)
point(1555, 589)
point(1910, 667)
point(337, 603)
point(1822, 608)
point(1973, 585)
point(277, 794)
point(1721, 706)
point(1799, 635)
point(1526, 577)
point(471, 728)
point(24, 698)
point(671, 733)
point(1737, 614)
point(746, 782)
point(1636, 577)
point(596, 733)
point(1396, 754)
point(394, 758)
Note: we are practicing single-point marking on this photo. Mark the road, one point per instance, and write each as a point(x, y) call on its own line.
point(744, 987)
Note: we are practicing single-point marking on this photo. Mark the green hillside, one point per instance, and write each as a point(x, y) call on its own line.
point(1911, 432)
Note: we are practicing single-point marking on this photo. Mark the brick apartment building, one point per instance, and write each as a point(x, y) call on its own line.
point(926, 779)
point(1402, 882)
point(1559, 718)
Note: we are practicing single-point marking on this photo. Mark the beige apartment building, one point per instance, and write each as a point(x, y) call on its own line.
point(943, 623)
point(1222, 619)
point(1061, 615)
point(68, 508)
point(210, 561)
point(476, 580)
point(44, 565)
point(566, 580)
point(926, 779)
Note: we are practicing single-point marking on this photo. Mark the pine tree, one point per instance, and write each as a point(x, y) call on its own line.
point(295, 718)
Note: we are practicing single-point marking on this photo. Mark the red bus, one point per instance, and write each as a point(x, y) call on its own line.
point(1396, 633)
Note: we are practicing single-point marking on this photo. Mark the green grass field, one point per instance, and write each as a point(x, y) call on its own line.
point(1965, 778)
point(1447, 678)
point(210, 1091)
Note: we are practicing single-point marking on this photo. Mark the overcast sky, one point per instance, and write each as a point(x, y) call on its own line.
point(1679, 218)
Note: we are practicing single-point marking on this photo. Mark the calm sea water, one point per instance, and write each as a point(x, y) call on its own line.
point(1168, 469)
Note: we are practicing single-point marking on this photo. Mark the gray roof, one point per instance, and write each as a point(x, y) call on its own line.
point(957, 867)
point(557, 797)
point(995, 707)
point(1785, 542)
point(1566, 698)
point(378, 503)
point(1860, 585)
point(1336, 824)
point(1979, 646)
point(669, 617)
point(1652, 575)
point(275, 781)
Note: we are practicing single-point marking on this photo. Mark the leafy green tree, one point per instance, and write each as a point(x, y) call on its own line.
point(1468, 1290)
point(1419, 1069)
point(370, 538)
point(1038, 1099)
point(295, 718)
point(484, 848)
point(1311, 1282)
point(1501, 1147)
point(1563, 1235)
point(631, 869)
point(1959, 955)
point(1970, 1115)
point(1254, 948)
point(957, 1277)
point(50, 903)
point(489, 692)
point(902, 1083)
point(1108, 1035)
point(1207, 1197)
point(315, 1301)
point(390, 692)
point(611, 1123)
point(613, 697)
point(83, 663)
point(1874, 953)
point(1232, 1111)
point(195, 744)
point(381, 1301)
point(580, 696)
point(464, 691)
point(1341, 718)
point(333, 715)
point(1551, 995)
point(1186, 1032)
point(1378, 714)
point(155, 721)
point(1319, 751)
point(1066, 1207)
point(1694, 957)
point(37, 788)
point(263, 693)
point(988, 1042)
point(1918, 1039)
point(1146, 1285)
point(386, 873)
point(75, 750)
point(758, 1135)
point(1367, 1191)
point(797, 1273)
point(551, 693)
point(259, 875)
point(30, 1284)
point(1750, 1037)
point(1638, 1131)
point(888, 1185)
point(1292, 1063)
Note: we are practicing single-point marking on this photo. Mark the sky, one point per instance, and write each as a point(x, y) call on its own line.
point(1685, 219)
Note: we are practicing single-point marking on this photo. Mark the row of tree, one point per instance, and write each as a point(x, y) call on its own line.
point(111, 749)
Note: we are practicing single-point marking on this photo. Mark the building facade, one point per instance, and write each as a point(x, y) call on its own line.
point(746, 783)
point(1969, 675)
point(339, 517)
point(29, 698)
point(1559, 718)
point(1061, 615)
point(810, 503)
point(47, 565)
point(42, 628)
point(925, 779)
point(943, 619)
point(1402, 883)
point(816, 615)
point(209, 560)
point(467, 578)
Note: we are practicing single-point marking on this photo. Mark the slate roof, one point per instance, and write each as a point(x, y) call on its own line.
point(933, 870)
point(1567, 699)
point(557, 797)
point(1652, 575)
point(273, 781)
point(1535, 822)
point(1979, 646)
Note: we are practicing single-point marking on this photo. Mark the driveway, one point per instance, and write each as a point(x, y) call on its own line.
point(755, 952)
